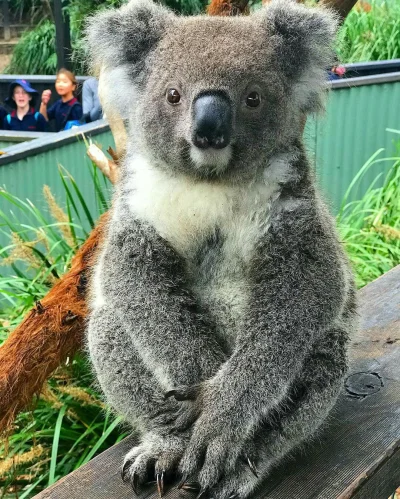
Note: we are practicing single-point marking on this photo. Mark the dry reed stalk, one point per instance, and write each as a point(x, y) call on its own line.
point(18, 459)
point(59, 216)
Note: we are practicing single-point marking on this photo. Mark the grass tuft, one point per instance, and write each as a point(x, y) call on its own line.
point(371, 32)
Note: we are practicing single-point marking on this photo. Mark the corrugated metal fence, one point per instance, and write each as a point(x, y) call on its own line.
point(30, 166)
point(354, 128)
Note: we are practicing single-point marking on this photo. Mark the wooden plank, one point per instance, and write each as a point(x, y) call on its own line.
point(357, 455)
point(378, 485)
point(6, 21)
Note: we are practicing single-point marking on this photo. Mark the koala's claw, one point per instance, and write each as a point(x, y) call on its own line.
point(135, 483)
point(252, 467)
point(190, 487)
point(133, 480)
point(124, 469)
point(182, 482)
point(160, 483)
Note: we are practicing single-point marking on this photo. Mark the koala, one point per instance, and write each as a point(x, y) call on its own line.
point(221, 300)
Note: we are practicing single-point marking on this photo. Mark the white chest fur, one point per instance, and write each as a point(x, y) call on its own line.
point(184, 210)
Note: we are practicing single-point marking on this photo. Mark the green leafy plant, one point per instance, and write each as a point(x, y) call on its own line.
point(35, 52)
point(370, 227)
point(371, 32)
point(69, 423)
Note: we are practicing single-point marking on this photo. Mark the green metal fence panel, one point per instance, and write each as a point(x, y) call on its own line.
point(5, 143)
point(351, 131)
point(26, 177)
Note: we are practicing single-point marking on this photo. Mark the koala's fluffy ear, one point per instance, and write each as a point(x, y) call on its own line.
point(303, 39)
point(126, 35)
point(119, 42)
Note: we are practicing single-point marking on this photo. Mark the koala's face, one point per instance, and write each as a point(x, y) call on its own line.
point(213, 96)
point(222, 107)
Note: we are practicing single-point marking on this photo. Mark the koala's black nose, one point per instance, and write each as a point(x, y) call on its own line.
point(212, 120)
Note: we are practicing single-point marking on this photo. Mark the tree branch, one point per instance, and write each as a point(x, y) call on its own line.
point(342, 7)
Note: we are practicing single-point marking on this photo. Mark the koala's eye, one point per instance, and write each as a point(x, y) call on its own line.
point(253, 99)
point(173, 96)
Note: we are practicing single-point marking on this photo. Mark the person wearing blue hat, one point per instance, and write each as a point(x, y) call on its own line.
point(22, 98)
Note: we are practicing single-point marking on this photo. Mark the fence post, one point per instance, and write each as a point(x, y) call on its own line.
point(6, 21)
point(63, 37)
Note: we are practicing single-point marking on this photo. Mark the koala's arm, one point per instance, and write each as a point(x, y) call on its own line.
point(142, 278)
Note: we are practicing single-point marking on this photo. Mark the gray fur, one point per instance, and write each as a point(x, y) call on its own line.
point(222, 279)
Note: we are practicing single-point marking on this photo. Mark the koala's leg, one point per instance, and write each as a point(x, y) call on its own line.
point(296, 420)
point(136, 394)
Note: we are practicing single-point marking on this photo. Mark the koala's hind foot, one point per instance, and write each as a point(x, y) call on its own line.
point(155, 460)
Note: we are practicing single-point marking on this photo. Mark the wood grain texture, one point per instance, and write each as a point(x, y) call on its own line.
point(357, 454)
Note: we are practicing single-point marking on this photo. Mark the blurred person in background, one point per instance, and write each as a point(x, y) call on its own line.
point(90, 100)
point(23, 117)
point(67, 111)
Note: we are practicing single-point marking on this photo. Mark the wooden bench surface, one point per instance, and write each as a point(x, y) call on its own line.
point(358, 453)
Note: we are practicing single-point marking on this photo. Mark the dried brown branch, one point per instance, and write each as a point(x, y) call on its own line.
point(50, 333)
point(228, 7)
point(342, 7)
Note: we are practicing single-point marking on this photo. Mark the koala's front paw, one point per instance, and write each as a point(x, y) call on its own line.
point(213, 452)
point(156, 459)
point(219, 452)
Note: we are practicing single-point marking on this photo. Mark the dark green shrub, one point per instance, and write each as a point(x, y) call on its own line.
point(35, 53)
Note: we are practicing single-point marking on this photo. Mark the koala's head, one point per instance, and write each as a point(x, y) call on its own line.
point(212, 96)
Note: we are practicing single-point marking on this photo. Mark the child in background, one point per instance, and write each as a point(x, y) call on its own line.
point(67, 109)
point(22, 97)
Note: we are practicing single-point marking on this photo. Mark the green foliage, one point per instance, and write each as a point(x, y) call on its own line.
point(371, 32)
point(35, 52)
point(187, 7)
point(69, 424)
point(370, 227)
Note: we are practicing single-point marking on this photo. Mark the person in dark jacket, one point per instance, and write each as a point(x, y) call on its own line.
point(67, 110)
point(22, 98)
point(3, 114)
